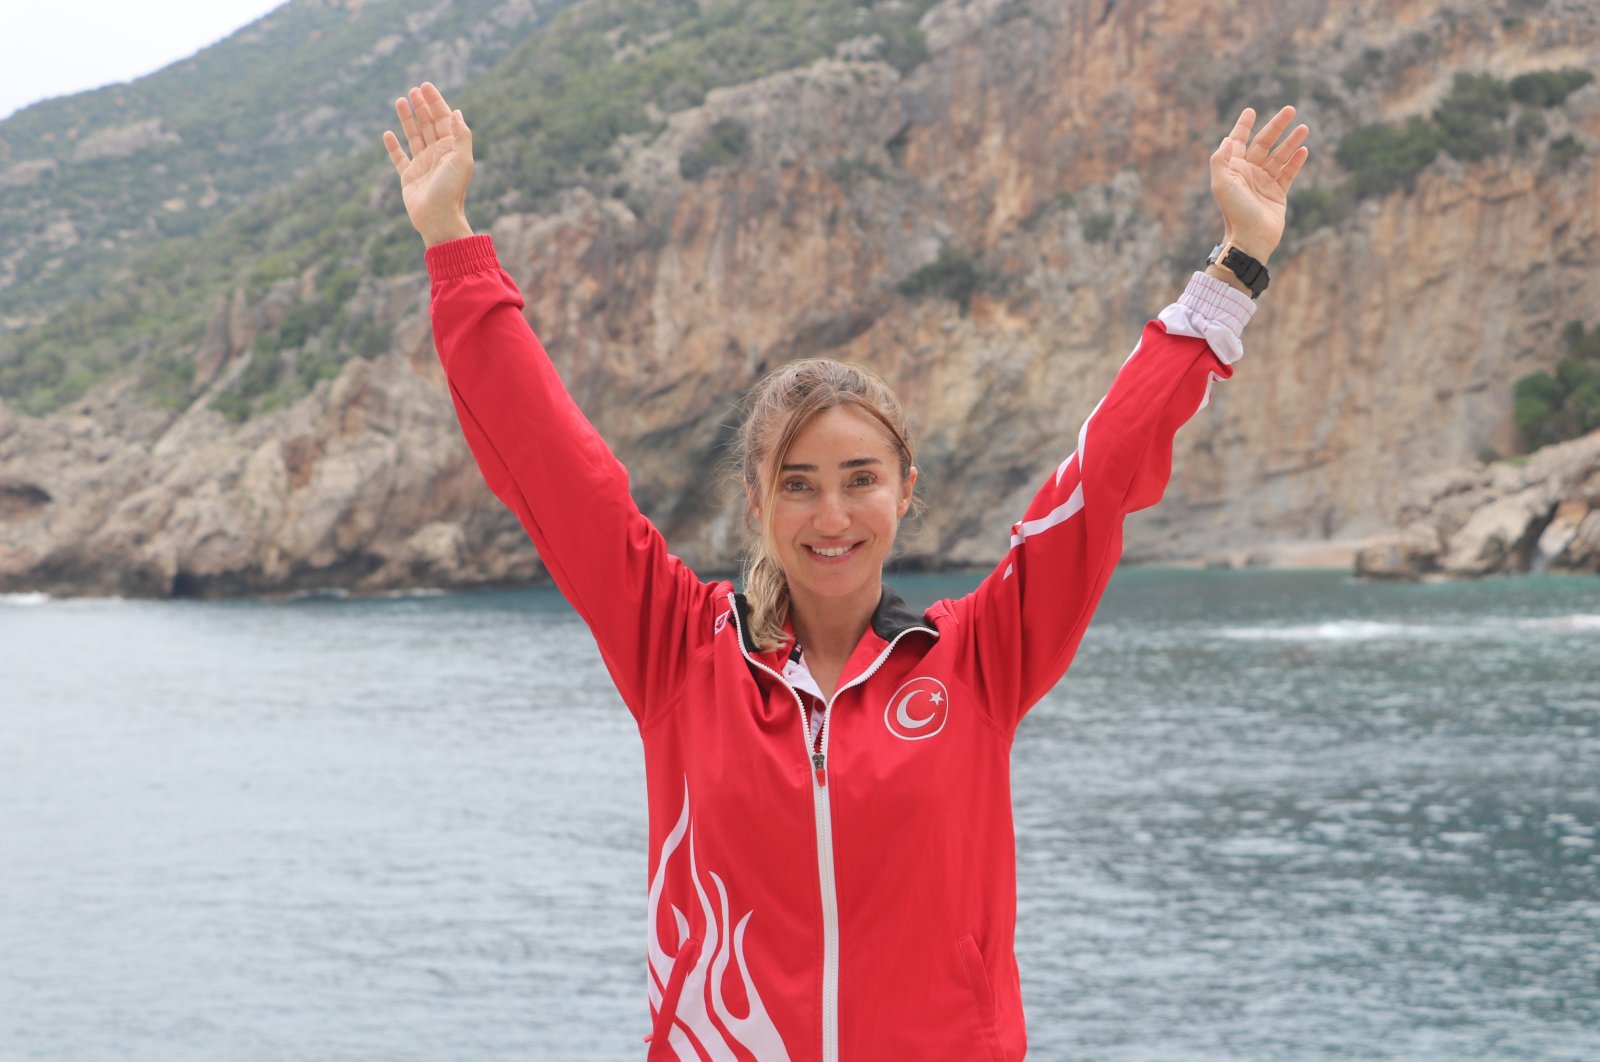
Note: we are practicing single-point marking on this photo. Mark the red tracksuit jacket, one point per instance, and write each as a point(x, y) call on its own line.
point(849, 895)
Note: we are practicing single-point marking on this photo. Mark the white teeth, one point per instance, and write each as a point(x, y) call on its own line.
point(841, 551)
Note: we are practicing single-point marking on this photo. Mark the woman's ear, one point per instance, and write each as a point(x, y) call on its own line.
point(905, 490)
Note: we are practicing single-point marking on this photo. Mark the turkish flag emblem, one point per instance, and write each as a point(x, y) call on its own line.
point(918, 709)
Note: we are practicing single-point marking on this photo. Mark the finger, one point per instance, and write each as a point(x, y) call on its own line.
point(396, 156)
point(1220, 157)
point(438, 112)
point(425, 134)
point(458, 125)
point(408, 125)
point(1241, 128)
point(1269, 135)
point(1292, 169)
point(1282, 153)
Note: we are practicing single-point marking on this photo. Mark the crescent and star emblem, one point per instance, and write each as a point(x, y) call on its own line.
point(903, 714)
point(918, 709)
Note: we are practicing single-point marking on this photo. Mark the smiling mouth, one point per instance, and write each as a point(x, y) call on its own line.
point(832, 552)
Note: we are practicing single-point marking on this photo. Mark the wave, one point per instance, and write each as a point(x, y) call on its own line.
point(24, 599)
point(1580, 621)
point(1341, 631)
point(1372, 631)
point(316, 593)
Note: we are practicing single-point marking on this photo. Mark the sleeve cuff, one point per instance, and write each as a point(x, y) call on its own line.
point(1216, 300)
point(454, 259)
point(1212, 310)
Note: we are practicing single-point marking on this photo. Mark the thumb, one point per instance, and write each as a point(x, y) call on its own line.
point(458, 125)
point(1221, 157)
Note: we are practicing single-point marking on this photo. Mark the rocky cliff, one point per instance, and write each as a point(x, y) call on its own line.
point(1052, 156)
point(1540, 514)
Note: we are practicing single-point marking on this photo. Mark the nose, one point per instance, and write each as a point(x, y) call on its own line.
point(833, 514)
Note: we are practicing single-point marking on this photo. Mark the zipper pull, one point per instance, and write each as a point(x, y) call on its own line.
point(819, 762)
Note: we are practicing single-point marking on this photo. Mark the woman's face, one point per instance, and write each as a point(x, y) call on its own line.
point(839, 499)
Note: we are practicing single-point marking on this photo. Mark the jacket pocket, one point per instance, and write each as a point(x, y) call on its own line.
point(661, 1028)
point(982, 994)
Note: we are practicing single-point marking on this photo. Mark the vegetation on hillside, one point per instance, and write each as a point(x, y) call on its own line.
point(1552, 407)
point(546, 118)
point(1481, 116)
point(954, 275)
point(170, 155)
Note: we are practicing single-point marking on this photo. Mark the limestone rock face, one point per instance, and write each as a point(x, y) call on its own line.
point(1542, 515)
point(363, 486)
point(1061, 148)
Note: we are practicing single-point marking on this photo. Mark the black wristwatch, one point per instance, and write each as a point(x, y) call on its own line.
point(1251, 273)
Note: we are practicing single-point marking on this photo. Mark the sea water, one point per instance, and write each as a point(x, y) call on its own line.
point(1267, 815)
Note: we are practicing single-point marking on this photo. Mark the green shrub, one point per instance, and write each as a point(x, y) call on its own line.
point(1548, 88)
point(232, 407)
point(1553, 407)
point(269, 269)
point(168, 381)
point(1530, 128)
point(1312, 208)
point(1367, 69)
point(1097, 227)
point(374, 339)
point(316, 366)
point(1469, 119)
point(1563, 152)
point(953, 275)
point(1580, 344)
point(725, 142)
point(1385, 158)
point(259, 377)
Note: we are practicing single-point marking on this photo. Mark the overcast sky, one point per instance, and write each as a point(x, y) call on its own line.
point(58, 47)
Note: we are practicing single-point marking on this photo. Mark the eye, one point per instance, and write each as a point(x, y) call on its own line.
point(863, 479)
point(795, 486)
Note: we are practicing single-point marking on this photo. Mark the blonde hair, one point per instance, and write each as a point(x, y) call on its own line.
point(777, 409)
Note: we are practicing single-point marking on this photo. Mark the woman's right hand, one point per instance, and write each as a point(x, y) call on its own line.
point(434, 179)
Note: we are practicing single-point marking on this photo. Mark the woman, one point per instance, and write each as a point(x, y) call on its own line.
point(832, 867)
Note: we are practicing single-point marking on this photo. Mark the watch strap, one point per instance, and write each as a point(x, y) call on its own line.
point(1251, 273)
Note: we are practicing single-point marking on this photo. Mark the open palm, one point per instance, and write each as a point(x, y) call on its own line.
point(1250, 179)
point(435, 175)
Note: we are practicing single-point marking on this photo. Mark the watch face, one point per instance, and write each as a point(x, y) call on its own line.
point(1211, 259)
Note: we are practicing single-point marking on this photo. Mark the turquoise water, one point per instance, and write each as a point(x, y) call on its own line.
point(1267, 816)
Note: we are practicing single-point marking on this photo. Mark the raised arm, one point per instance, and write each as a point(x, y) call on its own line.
point(537, 450)
point(1024, 622)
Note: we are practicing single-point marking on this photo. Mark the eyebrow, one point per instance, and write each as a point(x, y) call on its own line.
point(854, 462)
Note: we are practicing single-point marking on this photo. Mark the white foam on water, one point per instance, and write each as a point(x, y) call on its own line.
point(319, 593)
point(1577, 622)
point(1340, 631)
point(1371, 630)
point(24, 599)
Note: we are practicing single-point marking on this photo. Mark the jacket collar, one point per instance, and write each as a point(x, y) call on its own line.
point(892, 618)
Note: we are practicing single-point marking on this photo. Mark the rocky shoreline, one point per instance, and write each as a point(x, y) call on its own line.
point(1528, 514)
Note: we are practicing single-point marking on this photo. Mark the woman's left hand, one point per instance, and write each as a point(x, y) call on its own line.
point(1250, 179)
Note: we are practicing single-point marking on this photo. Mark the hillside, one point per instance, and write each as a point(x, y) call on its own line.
point(981, 199)
point(89, 181)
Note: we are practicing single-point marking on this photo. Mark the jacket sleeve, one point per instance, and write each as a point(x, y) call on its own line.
point(1022, 625)
point(543, 458)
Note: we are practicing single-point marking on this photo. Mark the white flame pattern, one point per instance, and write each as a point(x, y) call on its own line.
point(755, 1032)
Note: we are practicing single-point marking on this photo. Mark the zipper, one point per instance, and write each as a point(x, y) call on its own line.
point(823, 811)
point(820, 760)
